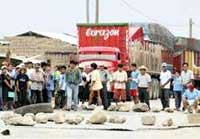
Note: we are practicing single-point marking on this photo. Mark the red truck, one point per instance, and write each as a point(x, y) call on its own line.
point(104, 44)
point(111, 44)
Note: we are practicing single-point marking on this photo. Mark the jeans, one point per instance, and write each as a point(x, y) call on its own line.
point(144, 96)
point(36, 96)
point(164, 97)
point(23, 98)
point(60, 99)
point(50, 94)
point(105, 96)
point(178, 99)
point(72, 95)
point(1, 100)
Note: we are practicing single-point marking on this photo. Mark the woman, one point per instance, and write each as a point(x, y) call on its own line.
point(6, 89)
point(96, 84)
point(22, 83)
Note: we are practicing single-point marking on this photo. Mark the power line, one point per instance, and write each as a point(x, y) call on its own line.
point(148, 17)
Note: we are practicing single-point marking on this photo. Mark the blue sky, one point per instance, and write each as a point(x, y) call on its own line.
point(17, 16)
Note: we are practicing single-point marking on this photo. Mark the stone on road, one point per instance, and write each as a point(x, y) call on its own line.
point(35, 108)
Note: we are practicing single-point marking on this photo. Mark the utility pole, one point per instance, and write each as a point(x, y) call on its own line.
point(88, 11)
point(97, 12)
point(190, 27)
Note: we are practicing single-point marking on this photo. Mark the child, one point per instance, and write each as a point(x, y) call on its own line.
point(177, 88)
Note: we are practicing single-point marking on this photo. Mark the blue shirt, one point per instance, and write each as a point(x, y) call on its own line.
point(177, 84)
point(134, 76)
point(50, 82)
point(191, 95)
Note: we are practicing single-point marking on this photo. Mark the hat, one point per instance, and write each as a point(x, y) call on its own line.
point(164, 65)
point(143, 67)
point(4, 67)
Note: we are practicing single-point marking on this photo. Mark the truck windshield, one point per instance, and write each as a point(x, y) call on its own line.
point(110, 57)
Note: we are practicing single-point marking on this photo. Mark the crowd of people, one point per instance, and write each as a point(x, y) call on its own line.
point(69, 86)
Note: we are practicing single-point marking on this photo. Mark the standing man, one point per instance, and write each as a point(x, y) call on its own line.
point(133, 82)
point(165, 81)
point(96, 85)
point(104, 79)
point(73, 79)
point(37, 79)
point(22, 83)
point(61, 96)
point(144, 85)
point(187, 76)
point(120, 78)
point(49, 84)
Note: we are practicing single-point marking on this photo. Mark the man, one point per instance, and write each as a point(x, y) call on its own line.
point(190, 99)
point(73, 79)
point(61, 96)
point(144, 85)
point(22, 83)
point(49, 83)
point(96, 84)
point(29, 71)
point(104, 79)
point(133, 82)
point(6, 88)
point(165, 81)
point(37, 79)
point(120, 78)
point(186, 75)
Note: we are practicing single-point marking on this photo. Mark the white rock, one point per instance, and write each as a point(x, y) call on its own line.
point(124, 108)
point(117, 120)
point(169, 110)
point(59, 117)
point(112, 108)
point(21, 121)
point(97, 117)
point(41, 118)
point(74, 120)
point(168, 122)
point(30, 115)
point(156, 110)
point(149, 120)
point(7, 115)
point(141, 107)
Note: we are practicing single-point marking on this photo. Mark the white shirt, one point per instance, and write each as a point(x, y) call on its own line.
point(29, 72)
point(120, 77)
point(62, 82)
point(144, 80)
point(164, 77)
point(187, 76)
point(84, 74)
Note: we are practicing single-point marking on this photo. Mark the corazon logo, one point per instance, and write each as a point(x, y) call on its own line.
point(105, 33)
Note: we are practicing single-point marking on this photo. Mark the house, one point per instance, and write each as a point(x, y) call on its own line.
point(59, 48)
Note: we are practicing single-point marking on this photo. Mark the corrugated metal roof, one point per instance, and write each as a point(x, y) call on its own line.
point(188, 43)
point(156, 33)
point(61, 36)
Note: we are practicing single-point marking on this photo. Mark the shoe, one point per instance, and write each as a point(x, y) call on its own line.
point(190, 110)
point(68, 109)
point(186, 112)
